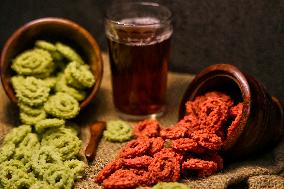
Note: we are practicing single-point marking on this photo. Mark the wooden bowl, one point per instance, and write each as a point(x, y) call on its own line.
point(52, 29)
point(262, 121)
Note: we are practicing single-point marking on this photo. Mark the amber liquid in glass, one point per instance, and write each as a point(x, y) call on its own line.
point(139, 74)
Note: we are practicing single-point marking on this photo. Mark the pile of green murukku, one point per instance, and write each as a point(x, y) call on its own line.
point(41, 160)
point(51, 79)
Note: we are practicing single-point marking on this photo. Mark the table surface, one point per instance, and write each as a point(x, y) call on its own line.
point(265, 170)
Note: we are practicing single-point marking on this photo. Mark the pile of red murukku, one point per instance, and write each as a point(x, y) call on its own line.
point(188, 148)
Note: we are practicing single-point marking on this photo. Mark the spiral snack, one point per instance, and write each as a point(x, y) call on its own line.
point(54, 133)
point(138, 162)
point(165, 169)
point(61, 86)
point(16, 135)
point(79, 75)
point(50, 81)
point(27, 147)
point(122, 179)
point(148, 128)
point(41, 185)
point(68, 52)
point(31, 119)
point(77, 167)
point(6, 152)
point(31, 110)
point(31, 91)
point(48, 123)
point(34, 62)
point(135, 148)
point(117, 131)
point(45, 45)
point(12, 177)
point(44, 157)
point(68, 145)
point(170, 185)
point(30, 141)
point(156, 145)
point(59, 177)
point(62, 105)
point(204, 168)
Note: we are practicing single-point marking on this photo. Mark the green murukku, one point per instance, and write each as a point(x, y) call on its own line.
point(48, 123)
point(6, 152)
point(31, 110)
point(31, 119)
point(57, 57)
point(170, 185)
point(62, 105)
point(68, 52)
point(41, 185)
point(54, 133)
point(117, 131)
point(16, 82)
point(44, 157)
point(50, 81)
point(27, 147)
point(34, 62)
point(45, 45)
point(59, 176)
point(79, 75)
point(77, 167)
point(61, 86)
point(67, 144)
point(13, 175)
point(16, 135)
point(31, 91)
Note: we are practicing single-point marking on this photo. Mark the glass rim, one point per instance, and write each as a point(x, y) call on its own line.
point(167, 19)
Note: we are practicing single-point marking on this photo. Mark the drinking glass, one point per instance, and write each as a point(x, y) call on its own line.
point(138, 36)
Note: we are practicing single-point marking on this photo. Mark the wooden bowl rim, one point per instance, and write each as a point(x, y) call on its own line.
point(226, 70)
point(67, 23)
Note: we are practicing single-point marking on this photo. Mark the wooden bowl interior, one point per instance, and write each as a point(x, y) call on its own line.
point(52, 30)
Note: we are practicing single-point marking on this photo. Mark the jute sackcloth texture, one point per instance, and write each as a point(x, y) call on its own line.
point(265, 171)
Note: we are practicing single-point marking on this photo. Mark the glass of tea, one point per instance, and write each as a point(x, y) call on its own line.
point(138, 36)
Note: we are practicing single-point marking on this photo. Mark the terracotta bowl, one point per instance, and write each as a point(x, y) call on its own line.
point(262, 121)
point(52, 29)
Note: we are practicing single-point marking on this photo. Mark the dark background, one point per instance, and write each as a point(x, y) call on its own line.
point(246, 33)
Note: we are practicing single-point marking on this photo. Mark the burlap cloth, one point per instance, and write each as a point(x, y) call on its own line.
point(265, 171)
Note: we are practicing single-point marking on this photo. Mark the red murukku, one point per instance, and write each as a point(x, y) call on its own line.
point(122, 179)
point(225, 98)
point(138, 162)
point(236, 112)
point(193, 107)
point(165, 169)
point(173, 132)
point(207, 140)
point(144, 177)
point(217, 159)
point(156, 145)
point(135, 148)
point(213, 113)
point(190, 122)
point(203, 168)
point(147, 128)
point(109, 169)
point(184, 144)
point(169, 152)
